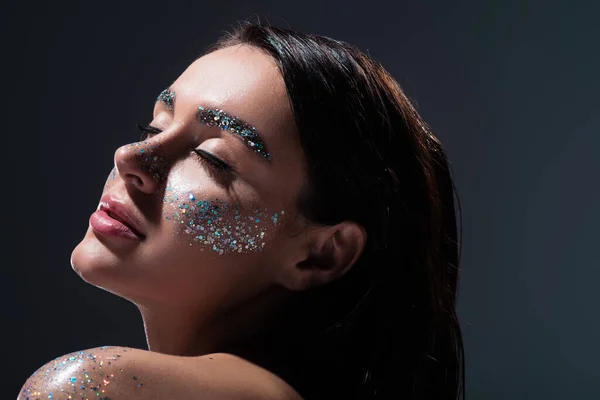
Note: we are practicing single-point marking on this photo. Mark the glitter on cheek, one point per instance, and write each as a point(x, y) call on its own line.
point(218, 225)
point(82, 376)
point(111, 177)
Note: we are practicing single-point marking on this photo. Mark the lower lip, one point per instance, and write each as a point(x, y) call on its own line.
point(101, 222)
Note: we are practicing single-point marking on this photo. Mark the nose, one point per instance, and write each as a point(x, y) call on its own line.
point(141, 167)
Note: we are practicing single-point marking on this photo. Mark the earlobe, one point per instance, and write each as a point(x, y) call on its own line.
point(330, 255)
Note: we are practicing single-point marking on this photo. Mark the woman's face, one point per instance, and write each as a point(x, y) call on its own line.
point(207, 200)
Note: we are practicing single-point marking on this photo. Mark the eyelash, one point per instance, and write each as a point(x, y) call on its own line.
point(147, 130)
point(212, 161)
point(204, 156)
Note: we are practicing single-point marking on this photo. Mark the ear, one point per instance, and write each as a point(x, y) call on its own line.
point(327, 254)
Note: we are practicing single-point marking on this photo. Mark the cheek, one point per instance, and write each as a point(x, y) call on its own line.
point(217, 225)
point(111, 178)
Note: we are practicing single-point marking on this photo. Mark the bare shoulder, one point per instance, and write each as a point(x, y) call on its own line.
point(113, 373)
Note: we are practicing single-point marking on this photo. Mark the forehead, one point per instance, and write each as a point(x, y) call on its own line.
point(242, 80)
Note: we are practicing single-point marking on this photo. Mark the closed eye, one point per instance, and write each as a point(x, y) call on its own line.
point(147, 131)
point(205, 157)
point(214, 162)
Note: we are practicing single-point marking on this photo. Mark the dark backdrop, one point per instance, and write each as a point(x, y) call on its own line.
point(510, 87)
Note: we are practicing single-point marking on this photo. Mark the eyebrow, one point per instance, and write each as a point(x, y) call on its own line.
point(223, 120)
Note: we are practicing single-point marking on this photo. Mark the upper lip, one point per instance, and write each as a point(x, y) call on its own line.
point(118, 210)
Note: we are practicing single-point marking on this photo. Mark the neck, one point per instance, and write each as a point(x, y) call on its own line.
point(177, 330)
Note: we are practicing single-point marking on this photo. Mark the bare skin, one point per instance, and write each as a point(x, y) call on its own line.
point(124, 373)
point(193, 297)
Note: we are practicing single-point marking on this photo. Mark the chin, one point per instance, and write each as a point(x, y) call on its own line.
point(110, 267)
point(97, 265)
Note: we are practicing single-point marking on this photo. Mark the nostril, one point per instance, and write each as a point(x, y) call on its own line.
point(135, 180)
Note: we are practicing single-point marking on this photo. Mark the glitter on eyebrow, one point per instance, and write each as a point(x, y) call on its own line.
point(226, 122)
point(167, 96)
point(111, 177)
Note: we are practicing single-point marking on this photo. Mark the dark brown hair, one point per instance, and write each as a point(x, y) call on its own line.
point(388, 329)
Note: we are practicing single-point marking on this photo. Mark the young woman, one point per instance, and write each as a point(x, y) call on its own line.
point(286, 226)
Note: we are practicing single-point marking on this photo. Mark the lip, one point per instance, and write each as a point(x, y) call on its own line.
point(113, 217)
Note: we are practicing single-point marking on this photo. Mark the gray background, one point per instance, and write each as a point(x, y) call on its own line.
point(510, 87)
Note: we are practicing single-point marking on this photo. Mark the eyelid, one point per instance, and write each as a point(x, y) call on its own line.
point(206, 157)
point(147, 130)
point(153, 129)
point(215, 161)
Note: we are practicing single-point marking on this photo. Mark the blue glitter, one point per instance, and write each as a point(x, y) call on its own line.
point(224, 121)
point(167, 96)
point(73, 379)
point(208, 222)
point(151, 159)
